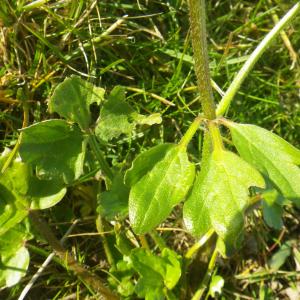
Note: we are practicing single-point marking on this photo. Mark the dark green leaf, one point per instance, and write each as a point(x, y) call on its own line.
point(72, 99)
point(280, 257)
point(114, 203)
point(55, 148)
point(272, 208)
point(220, 197)
point(152, 198)
point(270, 154)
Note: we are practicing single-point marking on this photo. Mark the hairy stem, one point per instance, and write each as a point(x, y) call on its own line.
point(86, 276)
point(256, 54)
point(198, 35)
point(190, 132)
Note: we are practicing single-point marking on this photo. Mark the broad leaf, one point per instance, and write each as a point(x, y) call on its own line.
point(13, 267)
point(118, 117)
point(152, 198)
point(55, 148)
point(72, 99)
point(145, 161)
point(270, 154)
point(220, 197)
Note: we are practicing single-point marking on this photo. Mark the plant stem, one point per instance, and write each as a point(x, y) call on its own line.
point(103, 163)
point(256, 54)
point(191, 252)
point(207, 276)
point(215, 136)
point(190, 132)
point(198, 35)
point(86, 276)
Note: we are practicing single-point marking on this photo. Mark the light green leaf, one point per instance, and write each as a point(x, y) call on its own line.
point(13, 189)
point(72, 99)
point(118, 117)
point(152, 198)
point(271, 155)
point(145, 161)
point(55, 148)
point(13, 267)
point(220, 197)
point(216, 285)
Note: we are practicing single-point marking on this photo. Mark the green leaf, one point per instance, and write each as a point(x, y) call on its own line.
point(13, 189)
point(45, 193)
point(152, 198)
point(271, 155)
point(272, 208)
point(20, 191)
point(280, 257)
point(13, 267)
point(220, 197)
point(114, 202)
point(156, 272)
point(55, 148)
point(216, 285)
point(72, 99)
point(118, 117)
point(145, 161)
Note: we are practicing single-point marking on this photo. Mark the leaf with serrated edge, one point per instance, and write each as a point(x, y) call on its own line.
point(145, 161)
point(55, 148)
point(220, 196)
point(72, 98)
point(271, 155)
point(152, 198)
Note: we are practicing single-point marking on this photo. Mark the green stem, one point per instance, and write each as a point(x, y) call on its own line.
point(207, 276)
point(103, 163)
point(191, 252)
point(215, 136)
point(256, 54)
point(190, 132)
point(159, 241)
point(198, 35)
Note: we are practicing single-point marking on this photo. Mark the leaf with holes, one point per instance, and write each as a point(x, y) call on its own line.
point(220, 197)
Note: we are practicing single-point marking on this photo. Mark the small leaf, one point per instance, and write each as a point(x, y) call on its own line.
point(152, 198)
point(13, 267)
point(216, 285)
point(55, 148)
point(145, 161)
point(156, 271)
point(220, 197)
point(72, 99)
point(271, 155)
point(280, 257)
point(272, 208)
point(118, 117)
point(114, 202)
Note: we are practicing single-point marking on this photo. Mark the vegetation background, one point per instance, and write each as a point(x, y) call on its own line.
point(144, 45)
